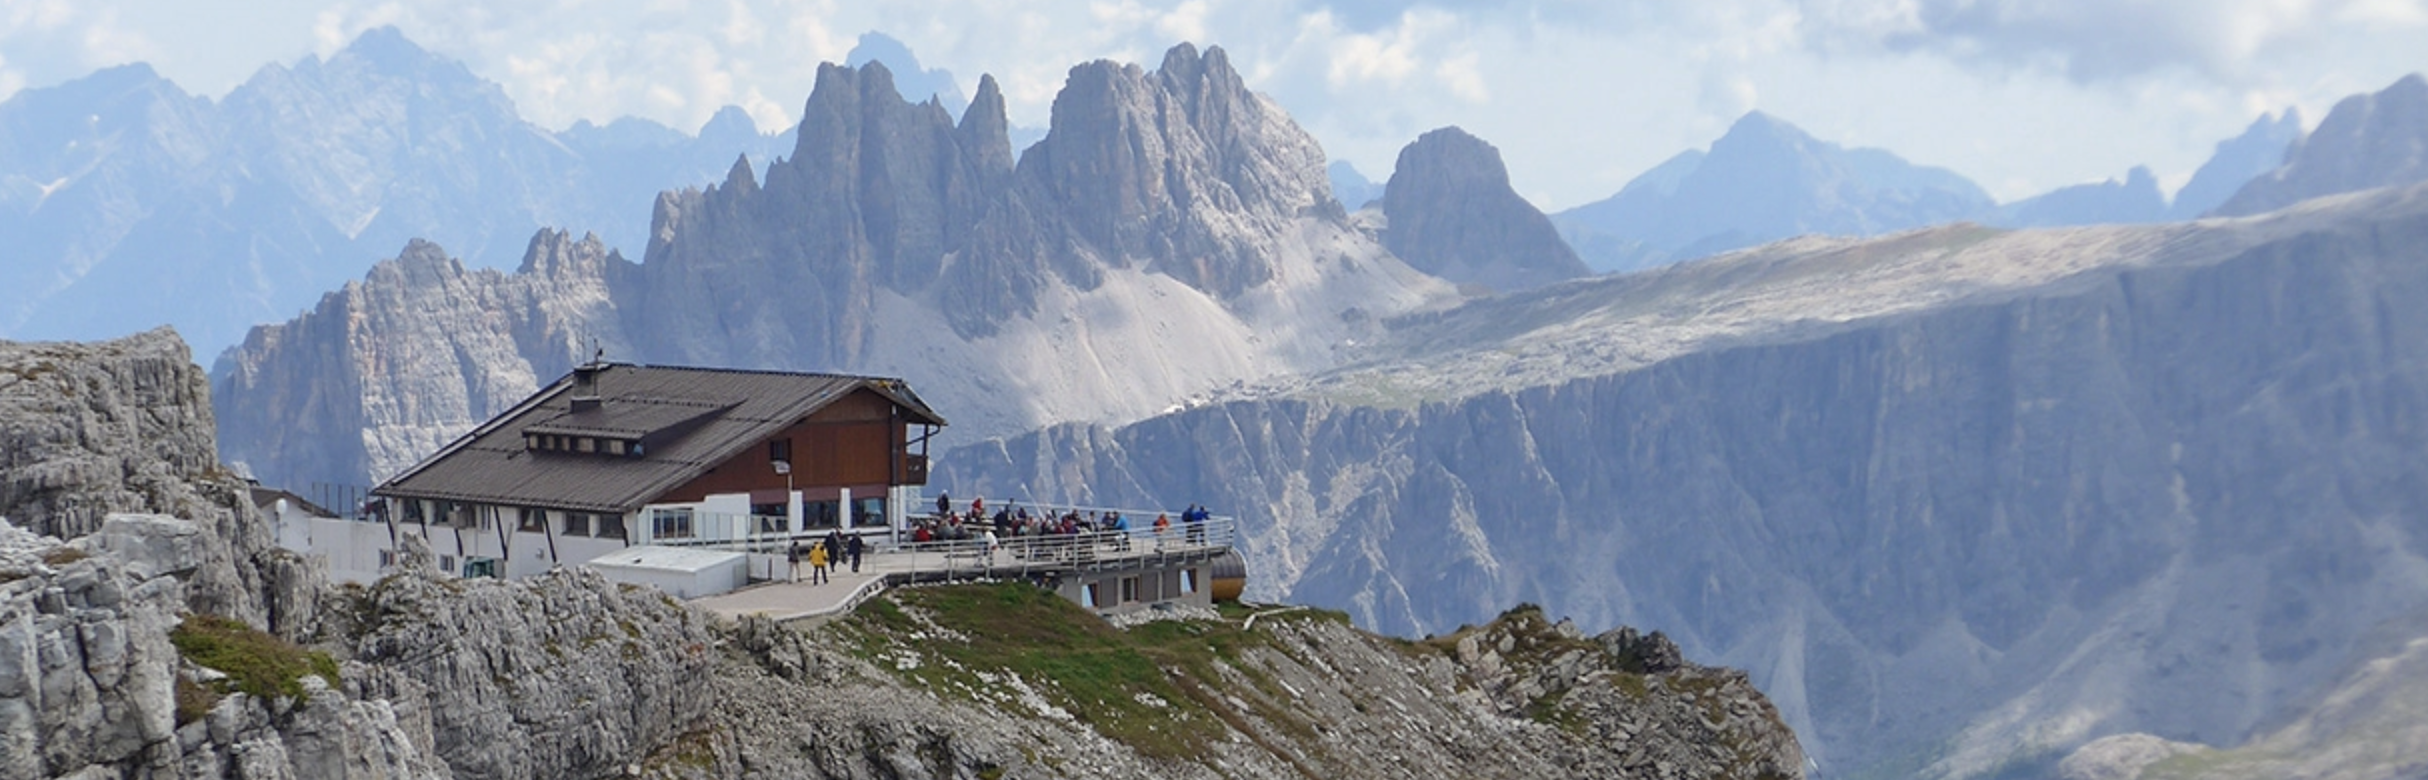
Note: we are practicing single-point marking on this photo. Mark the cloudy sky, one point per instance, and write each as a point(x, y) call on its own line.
point(2020, 95)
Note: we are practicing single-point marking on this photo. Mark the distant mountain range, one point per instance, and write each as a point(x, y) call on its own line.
point(1766, 180)
point(120, 192)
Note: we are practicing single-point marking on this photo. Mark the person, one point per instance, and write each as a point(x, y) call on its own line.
point(944, 503)
point(991, 544)
point(1195, 517)
point(817, 564)
point(978, 507)
point(853, 548)
point(834, 548)
point(792, 558)
point(1163, 525)
point(1121, 526)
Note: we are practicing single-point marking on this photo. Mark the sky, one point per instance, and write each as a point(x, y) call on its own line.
point(2022, 96)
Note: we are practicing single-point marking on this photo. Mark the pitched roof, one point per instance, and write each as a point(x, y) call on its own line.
point(689, 420)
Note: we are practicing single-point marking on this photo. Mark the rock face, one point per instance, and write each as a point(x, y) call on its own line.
point(1452, 214)
point(1989, 495)
point(126, 426)
point(2366, 141)
point(89, 676)
point(122, 192)
point(1766, 180)
point(401, 357)
point(1170, 206)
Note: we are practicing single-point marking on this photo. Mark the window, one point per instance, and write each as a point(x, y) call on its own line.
point(611, 526)
point(446, 563)
point(615, 446)
point(577, 524)
point(413, 510)
point(585, 444)
point(1129, 589)
point(779, 450)
point(1188, 580)
point(1088, 595)
point(674, 523)
point(531, 520)
point(820, 514)
point(387, 558)
point(771, 518)
point(871, 512)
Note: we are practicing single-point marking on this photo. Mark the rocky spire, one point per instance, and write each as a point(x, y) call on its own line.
point(1452, 214)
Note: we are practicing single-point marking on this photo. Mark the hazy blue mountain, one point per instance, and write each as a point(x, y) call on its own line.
point(2366, 141)
point(1762, 181)
point(2237, 160)
point(121, 192)
point(1351, 188)
point(2136, 199)
point(917, 83)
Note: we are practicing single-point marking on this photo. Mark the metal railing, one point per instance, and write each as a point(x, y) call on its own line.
point(1025, 554)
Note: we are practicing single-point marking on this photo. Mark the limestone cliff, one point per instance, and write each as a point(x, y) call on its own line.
point(1958, 498)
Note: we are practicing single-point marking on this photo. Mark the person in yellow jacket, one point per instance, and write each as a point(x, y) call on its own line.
point(817, 563)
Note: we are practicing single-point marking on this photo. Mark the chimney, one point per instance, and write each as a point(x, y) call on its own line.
point(586, 386)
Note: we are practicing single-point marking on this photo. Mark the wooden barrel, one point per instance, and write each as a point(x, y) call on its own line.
point(1230, 576)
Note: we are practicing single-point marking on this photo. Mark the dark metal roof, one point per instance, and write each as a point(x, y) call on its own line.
point(689, 418)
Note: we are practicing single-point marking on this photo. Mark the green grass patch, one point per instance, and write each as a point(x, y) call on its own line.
point(256, 663)
point(1146, 687)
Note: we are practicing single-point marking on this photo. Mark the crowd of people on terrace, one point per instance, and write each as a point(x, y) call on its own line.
point(1011, 521)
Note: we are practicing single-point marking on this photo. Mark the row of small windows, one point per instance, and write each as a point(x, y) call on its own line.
point(527, 519)
point(557, 442)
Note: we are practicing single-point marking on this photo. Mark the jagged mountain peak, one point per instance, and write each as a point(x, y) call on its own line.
point(2365, 141)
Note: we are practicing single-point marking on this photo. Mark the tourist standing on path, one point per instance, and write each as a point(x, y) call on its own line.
point(834, 548)
point(853, 548)
point(1195, 518)
point(792, 558)
point(817, 564)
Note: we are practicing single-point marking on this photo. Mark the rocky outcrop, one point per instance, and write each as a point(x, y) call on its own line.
point(1169, 206)
point(1295, 693)
point(1452, 214)
point(1987, 494)
point(2366, 141)
point(565, 675)
point(92, 686)
point(126, 426)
